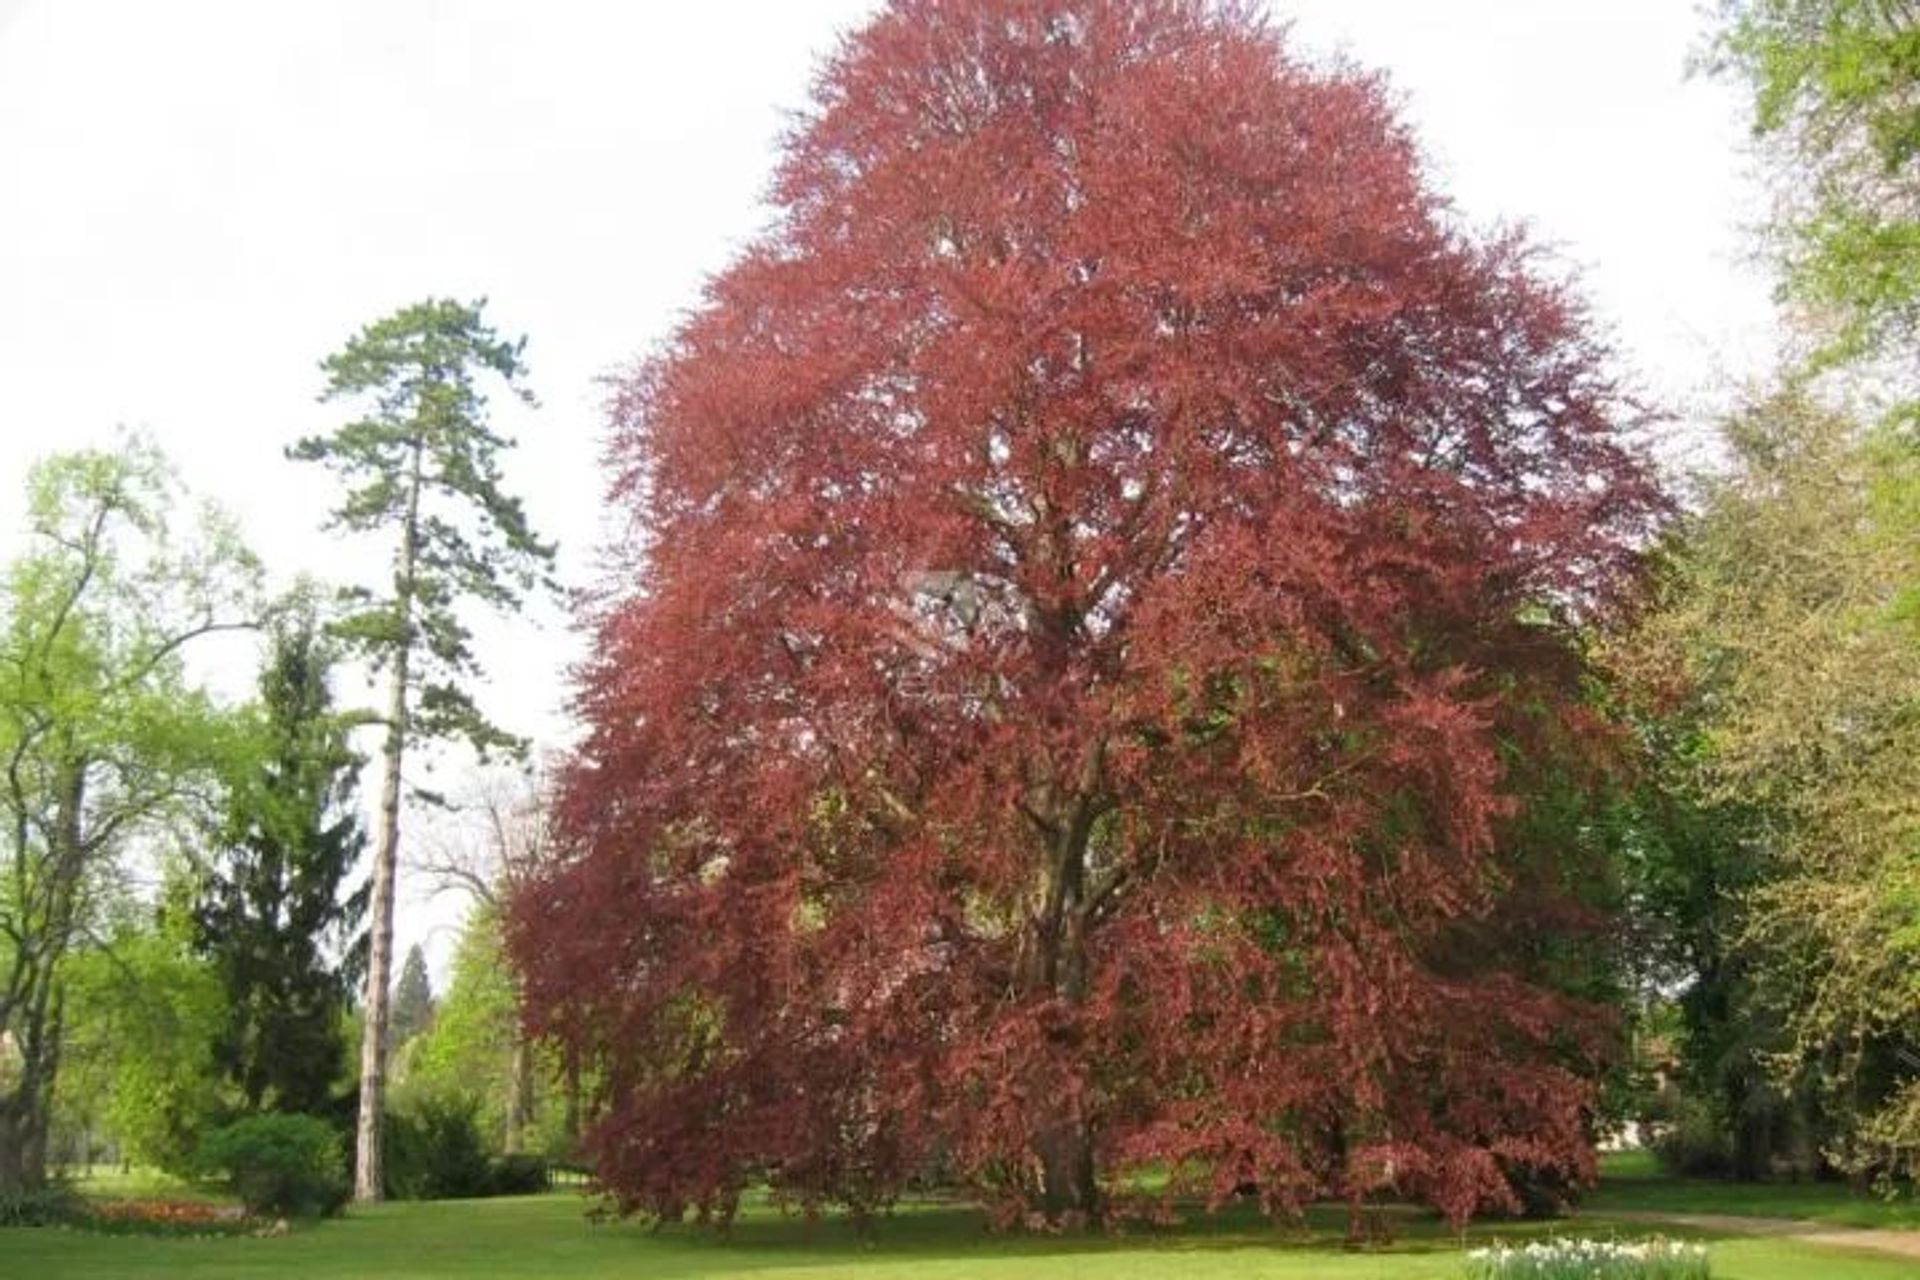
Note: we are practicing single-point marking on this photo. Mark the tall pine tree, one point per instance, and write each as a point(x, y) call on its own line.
point(272, 918)
point(422, 466)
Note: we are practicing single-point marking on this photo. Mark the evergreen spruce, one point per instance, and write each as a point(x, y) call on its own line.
point(272, 917)
point(412, 999)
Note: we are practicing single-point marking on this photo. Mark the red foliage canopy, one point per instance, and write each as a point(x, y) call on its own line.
point(1106, 548)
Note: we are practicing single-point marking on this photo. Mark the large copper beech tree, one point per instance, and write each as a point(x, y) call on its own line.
point(1109, 551)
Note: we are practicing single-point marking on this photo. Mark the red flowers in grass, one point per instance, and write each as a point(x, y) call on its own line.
point(161, 1216)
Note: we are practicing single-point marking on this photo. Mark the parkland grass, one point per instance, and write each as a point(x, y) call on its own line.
point(551, 1236)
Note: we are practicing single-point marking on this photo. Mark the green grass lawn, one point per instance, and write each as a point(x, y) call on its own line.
point(549, 1236)
point(1634, 1183)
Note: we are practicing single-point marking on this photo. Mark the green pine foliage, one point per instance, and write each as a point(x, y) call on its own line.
point(423, 461)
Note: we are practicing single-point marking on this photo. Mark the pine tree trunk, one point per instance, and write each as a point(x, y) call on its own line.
point(367, 1178)
point(368, 1170)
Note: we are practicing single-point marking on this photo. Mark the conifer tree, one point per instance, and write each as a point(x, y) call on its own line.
point(421, 467)
point(283, 937)
point(412, 998)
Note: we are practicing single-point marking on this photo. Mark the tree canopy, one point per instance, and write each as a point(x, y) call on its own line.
point(143, 1017)
point(1836, 98)
point(1780, 634)
point(103, 738)
point(1785, 628)
point(1111, 550)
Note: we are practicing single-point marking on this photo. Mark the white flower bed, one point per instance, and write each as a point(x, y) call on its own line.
point(1590, 1260)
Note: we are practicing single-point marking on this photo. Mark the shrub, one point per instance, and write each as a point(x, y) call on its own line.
point(279, 1164)
point(1590, 1260)
point(1694, 1142)
point(437, 1153)
point(518, 1175)
point(403, 1164)
point(51, 1206)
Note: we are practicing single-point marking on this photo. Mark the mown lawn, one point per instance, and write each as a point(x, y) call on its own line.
point(549, 1236)
point(1634, 1183)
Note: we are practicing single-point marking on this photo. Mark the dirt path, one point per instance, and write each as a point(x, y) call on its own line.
point(1901, 1244)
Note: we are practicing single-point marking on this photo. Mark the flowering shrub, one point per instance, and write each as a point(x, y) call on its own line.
point(1590, 1260)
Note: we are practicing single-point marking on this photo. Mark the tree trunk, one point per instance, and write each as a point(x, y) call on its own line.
point(23, 1107)
point(1058, 968)
point(368, 1179)
point(570, 1123)
point(16, 1171)
point(25, 1111)
point(1068, 1187)
point(31, 1009)
point(520, 1103)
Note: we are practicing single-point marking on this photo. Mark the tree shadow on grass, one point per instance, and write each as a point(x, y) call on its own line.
point(943, 1232)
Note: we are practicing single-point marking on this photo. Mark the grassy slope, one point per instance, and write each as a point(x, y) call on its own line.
point(547, 1236)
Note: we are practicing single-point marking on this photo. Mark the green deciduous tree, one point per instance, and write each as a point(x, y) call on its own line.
point(1836, 100)
point(475, 1048)
point(103, 738)
point(1785, 630)
point(421, 467)
point(504, 842)
point(272, 915)
point(144, 1016)
point(1692, 853)
point(1793, 593)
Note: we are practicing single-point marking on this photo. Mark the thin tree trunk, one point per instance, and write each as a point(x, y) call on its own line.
point(570, 1122)
point(367, 1181)
point(368, 1171)
point(520, 1104)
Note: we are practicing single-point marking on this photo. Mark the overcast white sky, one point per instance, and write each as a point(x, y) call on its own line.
point(199, 199)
